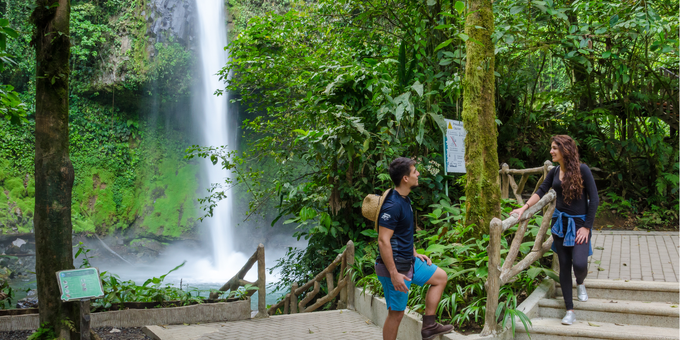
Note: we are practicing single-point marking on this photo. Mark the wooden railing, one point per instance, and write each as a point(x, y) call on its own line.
point(508, 179)
point(344, 287)
point(237, 281)
point(499, 276)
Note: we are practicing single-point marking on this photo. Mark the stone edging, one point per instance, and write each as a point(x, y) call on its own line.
point(209, 312)
point(635, 232)
point(375, 309)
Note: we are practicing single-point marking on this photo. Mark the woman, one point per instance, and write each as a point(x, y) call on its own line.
point(572, 221)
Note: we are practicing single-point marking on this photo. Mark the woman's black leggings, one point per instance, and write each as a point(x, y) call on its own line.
point(576, 256)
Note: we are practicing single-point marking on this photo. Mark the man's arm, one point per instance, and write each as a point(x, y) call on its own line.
point(384, 236)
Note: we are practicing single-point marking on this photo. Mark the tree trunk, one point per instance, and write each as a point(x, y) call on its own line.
point(53, 169)
point(481, 154)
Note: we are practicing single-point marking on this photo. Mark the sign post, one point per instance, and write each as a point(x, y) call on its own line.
point(81, 285)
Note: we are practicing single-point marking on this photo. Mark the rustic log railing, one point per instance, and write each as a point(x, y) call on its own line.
point(344, 287)
point(508, 179)
point(237, 281)
point(498, 275)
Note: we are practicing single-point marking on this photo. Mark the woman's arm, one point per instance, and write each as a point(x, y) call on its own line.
point(544, 188)
point(591, 192)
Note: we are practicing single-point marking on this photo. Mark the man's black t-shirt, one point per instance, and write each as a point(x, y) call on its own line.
point(396, 214)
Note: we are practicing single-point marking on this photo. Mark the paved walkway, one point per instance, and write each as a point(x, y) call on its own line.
point(635, 255)
point(617, 255)
point(329, 325)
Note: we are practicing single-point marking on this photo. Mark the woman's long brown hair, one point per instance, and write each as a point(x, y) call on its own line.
point(572, 185)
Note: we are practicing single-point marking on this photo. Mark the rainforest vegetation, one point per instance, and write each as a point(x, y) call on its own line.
point(335, 90)
point(330, 92)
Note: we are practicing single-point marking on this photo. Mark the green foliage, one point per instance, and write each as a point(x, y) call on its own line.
point(602, 74)
point(44, 332)
point(82, 250)
point(464, 259)
point(117, 291)
point(122, 162)
point(6, 295)
point(11, 106)
point(353, 102)
point(90, 31)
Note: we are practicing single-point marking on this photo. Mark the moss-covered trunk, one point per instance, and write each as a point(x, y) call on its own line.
point(481, 156)
point(53, 169)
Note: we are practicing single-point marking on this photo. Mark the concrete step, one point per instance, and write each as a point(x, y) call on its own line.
point(552, 329)
point(652, 291)
point(655, 314)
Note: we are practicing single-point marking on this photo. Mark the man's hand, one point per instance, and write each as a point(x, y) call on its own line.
point(582, 235)
point(424, 258)
point(398, 282)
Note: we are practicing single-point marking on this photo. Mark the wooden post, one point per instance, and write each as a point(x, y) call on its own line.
point(286, 304)
point(329, 282)
point(261, 284)
point(493, 280)
point(85, 319)
point(350, 282)
point(342, 304)
point(293, 299)
point(504, 181)
point(309, 297)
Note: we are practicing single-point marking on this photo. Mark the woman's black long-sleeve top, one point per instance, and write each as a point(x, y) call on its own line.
point(578, 206)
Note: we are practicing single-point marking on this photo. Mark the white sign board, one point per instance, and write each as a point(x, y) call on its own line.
point(454, 145)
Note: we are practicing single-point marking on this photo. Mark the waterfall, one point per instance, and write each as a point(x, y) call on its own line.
point(214, 120)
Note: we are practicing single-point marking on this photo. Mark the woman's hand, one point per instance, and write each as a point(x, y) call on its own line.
point(582, 235)
point(519, 211)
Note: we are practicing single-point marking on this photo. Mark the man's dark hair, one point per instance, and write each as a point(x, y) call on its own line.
point(399, 168)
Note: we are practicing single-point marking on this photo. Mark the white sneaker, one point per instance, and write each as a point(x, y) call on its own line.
point(569, 319)
point(581, 293)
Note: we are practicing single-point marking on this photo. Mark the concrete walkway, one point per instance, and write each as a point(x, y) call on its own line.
point(635, 255)
point(329, 325)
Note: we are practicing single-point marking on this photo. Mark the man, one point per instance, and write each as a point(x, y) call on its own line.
point(398, 265)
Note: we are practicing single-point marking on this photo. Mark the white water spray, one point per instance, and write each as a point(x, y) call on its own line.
point(214, 121)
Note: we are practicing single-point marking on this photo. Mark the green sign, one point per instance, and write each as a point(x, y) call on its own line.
point(78, 284)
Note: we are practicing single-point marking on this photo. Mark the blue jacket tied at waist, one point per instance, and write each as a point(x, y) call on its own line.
point(570, 235)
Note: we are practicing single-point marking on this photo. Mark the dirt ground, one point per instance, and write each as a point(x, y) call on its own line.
point(132, 333)
point(607, 220)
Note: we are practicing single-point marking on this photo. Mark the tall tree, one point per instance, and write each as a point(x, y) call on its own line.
point(53, 169)
point(481, 157)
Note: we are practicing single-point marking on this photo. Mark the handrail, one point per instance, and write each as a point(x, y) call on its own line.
point(499, 276)
point(508, 179)
point(344, 287)
point(237, 281)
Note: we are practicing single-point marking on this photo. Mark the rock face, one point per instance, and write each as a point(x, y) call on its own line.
point(30, 301)
point(17, 256)
point(165, 21)
point(167, 18)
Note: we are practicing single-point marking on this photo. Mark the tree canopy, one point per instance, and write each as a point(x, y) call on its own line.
point(336, 89)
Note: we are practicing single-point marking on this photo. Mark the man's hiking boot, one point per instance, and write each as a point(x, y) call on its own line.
point(431, 329)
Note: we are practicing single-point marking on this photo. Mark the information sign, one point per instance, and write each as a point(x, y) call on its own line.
point(78, 284)
point(454, 144)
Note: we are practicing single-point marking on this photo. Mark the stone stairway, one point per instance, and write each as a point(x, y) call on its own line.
point(616, 309)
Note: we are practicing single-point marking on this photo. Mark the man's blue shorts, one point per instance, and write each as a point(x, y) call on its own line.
point(420, 273)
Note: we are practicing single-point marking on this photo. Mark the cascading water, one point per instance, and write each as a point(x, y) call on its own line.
point(214, 119)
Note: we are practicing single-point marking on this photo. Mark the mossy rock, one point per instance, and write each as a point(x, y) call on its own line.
point(5, 273)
